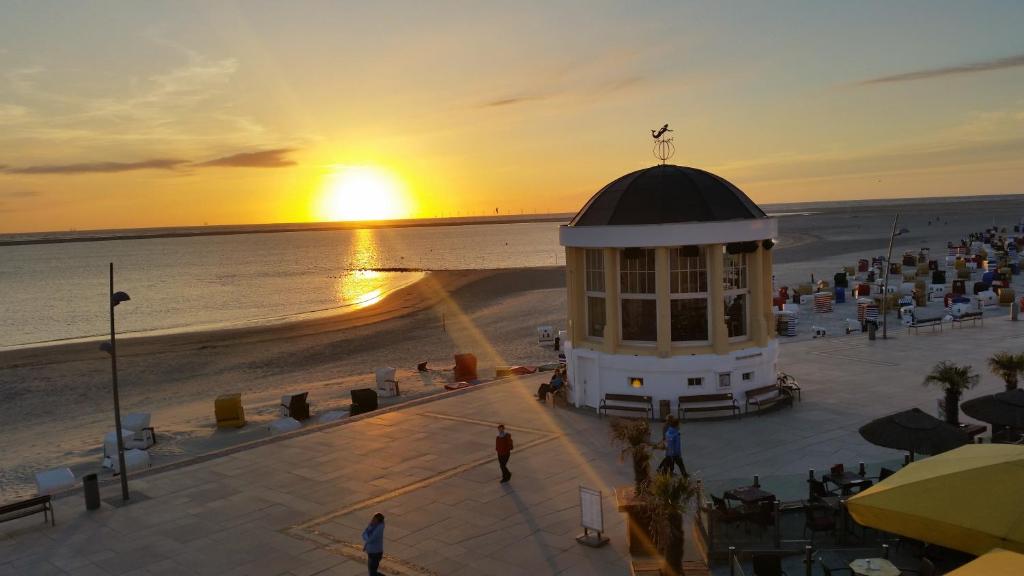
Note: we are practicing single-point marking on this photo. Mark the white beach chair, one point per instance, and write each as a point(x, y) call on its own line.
point(545, 334)
point(988, 298)
point(54, 480)
point(387, 381)
point(134, 460)
point(143, 435)
point(852, 325)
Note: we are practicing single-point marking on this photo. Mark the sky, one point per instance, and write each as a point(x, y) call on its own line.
point(146, 114)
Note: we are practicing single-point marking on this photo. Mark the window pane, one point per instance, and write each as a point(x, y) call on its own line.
point(688, 272)
point(736, 315)
point(595, 317)
point(594, 274)
point(689, 319)
point(735, 272)
point(636, 271)
point(639, 320)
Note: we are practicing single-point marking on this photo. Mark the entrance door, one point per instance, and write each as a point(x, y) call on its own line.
point(589, 386)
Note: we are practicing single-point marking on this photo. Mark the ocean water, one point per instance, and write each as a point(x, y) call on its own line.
point(57, 292)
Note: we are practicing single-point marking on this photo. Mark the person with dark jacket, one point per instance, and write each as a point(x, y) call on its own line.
point(503, 446)
point(373, 543)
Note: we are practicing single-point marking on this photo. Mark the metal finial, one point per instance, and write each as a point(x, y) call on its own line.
point(663, 146)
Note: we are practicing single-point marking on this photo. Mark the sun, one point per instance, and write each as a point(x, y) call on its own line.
point(363, 193)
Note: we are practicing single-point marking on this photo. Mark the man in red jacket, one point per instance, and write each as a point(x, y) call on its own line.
point(503, 446)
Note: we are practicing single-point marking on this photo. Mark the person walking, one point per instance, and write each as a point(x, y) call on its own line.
point(673, 448)
point(373, 543)
point(503, 446)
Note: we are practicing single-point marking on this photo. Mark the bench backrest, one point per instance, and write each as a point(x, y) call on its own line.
point(705, 398)
point(629, 398)
point(36, 501)
point(762, 390)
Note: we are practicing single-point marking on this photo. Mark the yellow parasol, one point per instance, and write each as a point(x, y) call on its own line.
point(966, 499)
point(997, 562)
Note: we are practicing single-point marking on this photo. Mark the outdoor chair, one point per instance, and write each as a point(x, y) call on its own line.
point(726, 514)
point(819, 518)
point(767, 565)
point(820, 494)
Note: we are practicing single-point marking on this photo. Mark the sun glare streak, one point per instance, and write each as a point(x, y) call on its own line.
point(357, 193)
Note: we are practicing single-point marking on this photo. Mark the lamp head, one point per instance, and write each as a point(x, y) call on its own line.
point(118, 297)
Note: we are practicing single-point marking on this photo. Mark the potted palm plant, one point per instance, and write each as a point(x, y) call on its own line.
point(665, 500)
point(633, 436)
point(953, 379)
point(1008, 367)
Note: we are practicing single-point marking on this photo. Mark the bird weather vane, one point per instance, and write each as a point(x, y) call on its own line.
point(663, 146)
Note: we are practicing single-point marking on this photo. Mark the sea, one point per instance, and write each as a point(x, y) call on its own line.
point(54, 285)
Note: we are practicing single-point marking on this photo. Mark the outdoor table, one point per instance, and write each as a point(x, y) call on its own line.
point(749, 494)
point(846, 480)
point(879, 567)
point(973, 430)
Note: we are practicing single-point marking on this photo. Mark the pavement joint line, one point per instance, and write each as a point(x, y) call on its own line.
point(309, 525)
point(828, 354)
point(488, 423)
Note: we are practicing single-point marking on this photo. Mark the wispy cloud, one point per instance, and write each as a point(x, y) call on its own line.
point(510, 101)
point(277, 158)
point(19, 193)
point(99, 167)
point(928, 73)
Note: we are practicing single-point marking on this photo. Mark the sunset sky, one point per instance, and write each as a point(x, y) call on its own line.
point(123, 114)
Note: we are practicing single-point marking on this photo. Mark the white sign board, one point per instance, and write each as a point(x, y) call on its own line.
point(591, 512)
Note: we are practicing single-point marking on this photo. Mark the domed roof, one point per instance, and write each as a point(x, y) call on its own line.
point(667, 194)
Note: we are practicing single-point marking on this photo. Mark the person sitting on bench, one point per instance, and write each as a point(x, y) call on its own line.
point(551, 387)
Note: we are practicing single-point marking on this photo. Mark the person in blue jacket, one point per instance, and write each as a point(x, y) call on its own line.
point(673, 449)
point(373, 543)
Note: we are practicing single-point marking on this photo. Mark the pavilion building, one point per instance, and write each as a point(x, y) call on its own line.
point(669, 276)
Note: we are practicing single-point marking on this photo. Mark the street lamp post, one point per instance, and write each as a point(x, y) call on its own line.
point(885, 284)
point(111, 347)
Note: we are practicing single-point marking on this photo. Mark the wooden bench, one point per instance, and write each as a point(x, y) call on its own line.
point(629, 400)
point(972, 317)
point(644, 566)
point(27, 508)
point(707, 403)
point(767, 396)
point(923, 322)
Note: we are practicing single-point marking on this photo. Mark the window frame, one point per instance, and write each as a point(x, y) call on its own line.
point(744, 290)
point(703, 254)
point(652, 295)
point(588, 293)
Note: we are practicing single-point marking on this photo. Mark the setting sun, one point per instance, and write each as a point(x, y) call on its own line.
point(364, 193)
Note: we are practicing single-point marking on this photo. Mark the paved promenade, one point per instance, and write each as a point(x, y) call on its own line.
point(297, 506)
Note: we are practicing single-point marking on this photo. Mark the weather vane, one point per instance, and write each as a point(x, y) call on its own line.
point(663, 146)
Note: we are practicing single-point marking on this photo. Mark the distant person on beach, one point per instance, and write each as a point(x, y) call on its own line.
point(373, 543)
point(503, 446)
point(550, 387)
point(673, 449)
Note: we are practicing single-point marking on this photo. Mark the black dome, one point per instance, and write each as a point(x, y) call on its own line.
point(667, 194)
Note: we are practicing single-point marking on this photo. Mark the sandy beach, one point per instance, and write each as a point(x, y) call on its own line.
point(58, 402)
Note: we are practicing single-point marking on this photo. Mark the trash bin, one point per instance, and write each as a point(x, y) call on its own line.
point(664, 409)
point(1014, 310)
point(91, 487)
point(872, 328)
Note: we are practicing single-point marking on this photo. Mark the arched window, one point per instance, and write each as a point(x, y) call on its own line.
point(594, 288)
point(737, 294)
point(639, 303)
point(689, 293)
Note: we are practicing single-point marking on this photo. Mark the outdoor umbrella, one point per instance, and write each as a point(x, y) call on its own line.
point(914, 431)
point(996, 562)
point(966, 499)
point(1002, 409)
